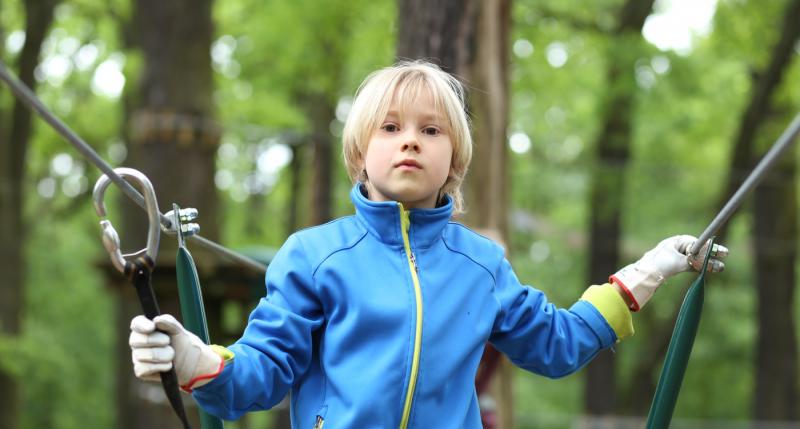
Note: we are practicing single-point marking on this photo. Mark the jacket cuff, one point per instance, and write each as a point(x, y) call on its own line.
point(223, 352)
point(601, 329)
point(612, 307)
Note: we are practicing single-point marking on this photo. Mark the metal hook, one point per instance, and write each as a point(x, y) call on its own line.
point(110, 236)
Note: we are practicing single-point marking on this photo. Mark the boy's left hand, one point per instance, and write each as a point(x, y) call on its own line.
point(640, 280)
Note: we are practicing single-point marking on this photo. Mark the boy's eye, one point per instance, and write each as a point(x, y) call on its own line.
point(389, 127)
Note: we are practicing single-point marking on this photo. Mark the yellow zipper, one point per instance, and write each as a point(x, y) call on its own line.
point(412, 383)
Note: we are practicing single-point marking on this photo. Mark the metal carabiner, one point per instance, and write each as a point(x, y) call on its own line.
point(139, 270)
point(110, 236)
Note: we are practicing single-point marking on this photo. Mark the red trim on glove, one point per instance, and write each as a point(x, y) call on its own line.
point(634, 306)
point(188, 386)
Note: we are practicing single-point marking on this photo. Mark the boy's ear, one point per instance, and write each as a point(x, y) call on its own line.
point(362, 168)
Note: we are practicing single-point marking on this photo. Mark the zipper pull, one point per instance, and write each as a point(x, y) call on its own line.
point(319, 423)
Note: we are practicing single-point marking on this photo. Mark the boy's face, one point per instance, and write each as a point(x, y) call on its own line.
point(408, 157)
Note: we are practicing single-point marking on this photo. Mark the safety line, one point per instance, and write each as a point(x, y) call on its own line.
point(755, 177)
point(34, 103)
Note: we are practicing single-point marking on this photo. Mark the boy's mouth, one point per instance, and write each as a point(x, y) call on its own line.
point(408, 163)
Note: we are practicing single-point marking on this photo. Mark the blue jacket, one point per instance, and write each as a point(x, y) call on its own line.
point(379, 320)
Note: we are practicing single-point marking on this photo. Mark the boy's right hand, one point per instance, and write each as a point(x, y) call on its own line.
point(159, 343)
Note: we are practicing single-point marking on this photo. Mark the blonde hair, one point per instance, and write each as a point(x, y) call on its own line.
point(403, 83)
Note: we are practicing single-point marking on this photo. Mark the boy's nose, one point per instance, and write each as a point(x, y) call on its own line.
point(410, 143)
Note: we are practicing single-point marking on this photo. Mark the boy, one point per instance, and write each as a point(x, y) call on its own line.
point(380, 319)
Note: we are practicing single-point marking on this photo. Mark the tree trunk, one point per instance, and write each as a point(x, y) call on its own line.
point(775, 237)
point(321, 111)
point(172, 138)
point(608, 183)
point(441, 31)
point(296, 169)
point(764, 86)
point(489, 72)
point(471, 40)
point(13, 153)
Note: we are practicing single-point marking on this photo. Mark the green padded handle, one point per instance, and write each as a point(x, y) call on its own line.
point(192, 310)
point(680, 347)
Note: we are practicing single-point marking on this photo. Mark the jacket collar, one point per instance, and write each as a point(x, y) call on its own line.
point(383, 219)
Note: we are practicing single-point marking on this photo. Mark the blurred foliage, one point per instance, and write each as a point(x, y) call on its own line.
point(687, 116)
point(269, 55)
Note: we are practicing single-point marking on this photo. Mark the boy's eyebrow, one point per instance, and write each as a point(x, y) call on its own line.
point(426, 117)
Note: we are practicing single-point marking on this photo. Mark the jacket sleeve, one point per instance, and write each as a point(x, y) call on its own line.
point(541, 338)
point(276, 347)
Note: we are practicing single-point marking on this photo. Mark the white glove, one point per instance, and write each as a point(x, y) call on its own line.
point(154, 351)
point(641, 279)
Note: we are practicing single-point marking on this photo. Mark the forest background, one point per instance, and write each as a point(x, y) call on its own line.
point(607, 126)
